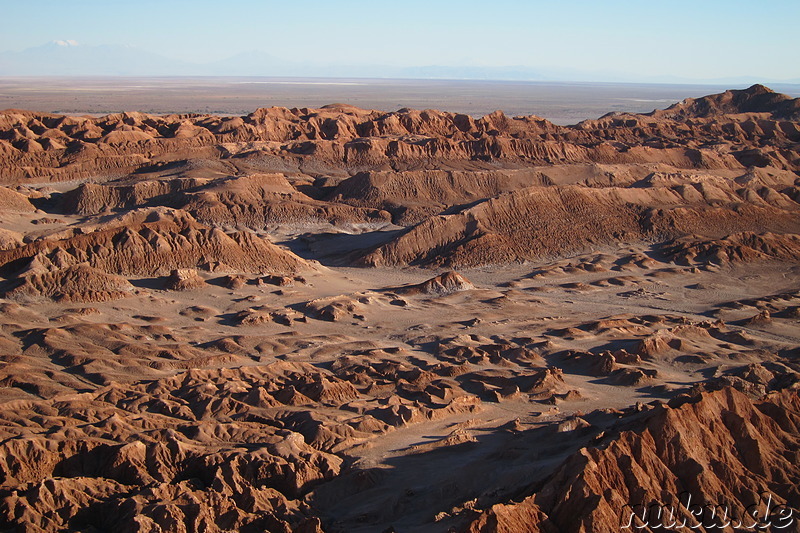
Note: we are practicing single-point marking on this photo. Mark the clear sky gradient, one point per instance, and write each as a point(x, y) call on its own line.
point(697, 39)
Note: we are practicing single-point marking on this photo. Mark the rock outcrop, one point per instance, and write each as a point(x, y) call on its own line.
point(156, 242)
point(721, 449)
point(441, 285)
point(35, 145)
point(77, 283)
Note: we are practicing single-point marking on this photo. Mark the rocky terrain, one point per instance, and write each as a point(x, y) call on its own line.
point(340, 319)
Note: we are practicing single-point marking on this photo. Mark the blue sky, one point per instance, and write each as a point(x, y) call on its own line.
point(690, 39)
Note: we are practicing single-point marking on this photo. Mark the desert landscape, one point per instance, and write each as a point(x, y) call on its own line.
point(562, 103)
point(350, 320)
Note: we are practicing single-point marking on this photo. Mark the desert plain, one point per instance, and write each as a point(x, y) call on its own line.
point(350, 320)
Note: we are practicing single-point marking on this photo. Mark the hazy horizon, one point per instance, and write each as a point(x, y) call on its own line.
point(560, 102)
point(580, 41)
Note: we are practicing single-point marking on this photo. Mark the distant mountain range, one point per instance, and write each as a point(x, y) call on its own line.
point(68, 58)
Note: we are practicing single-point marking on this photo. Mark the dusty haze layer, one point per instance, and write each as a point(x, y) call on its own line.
point(561, 103)
point(343, 319)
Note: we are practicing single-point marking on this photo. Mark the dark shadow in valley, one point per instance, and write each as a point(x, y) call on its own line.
point(338, 249)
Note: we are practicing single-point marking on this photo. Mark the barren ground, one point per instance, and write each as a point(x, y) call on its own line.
point(348, 320)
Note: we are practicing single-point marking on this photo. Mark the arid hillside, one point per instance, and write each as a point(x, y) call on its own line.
point(347, 320)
